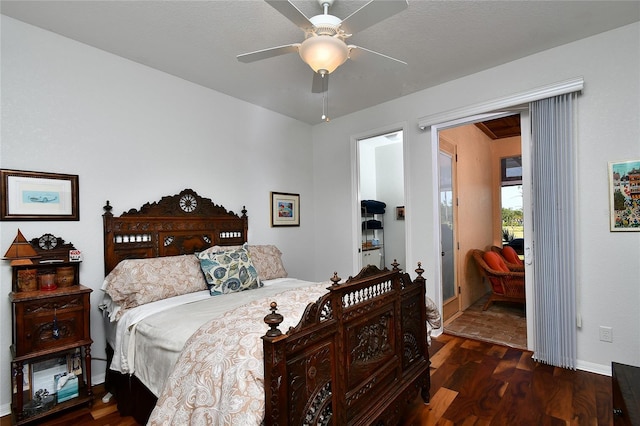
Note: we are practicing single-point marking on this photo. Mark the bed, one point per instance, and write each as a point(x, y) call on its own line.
point(283, 352)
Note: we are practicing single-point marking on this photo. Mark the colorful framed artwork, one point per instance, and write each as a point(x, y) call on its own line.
point(400, 213)
point(38, 196)
point(285, 209)
point(624, 189)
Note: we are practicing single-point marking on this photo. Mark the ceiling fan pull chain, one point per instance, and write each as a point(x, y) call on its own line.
point(325, 99)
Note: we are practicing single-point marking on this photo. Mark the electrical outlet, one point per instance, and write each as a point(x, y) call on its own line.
point(606, 334)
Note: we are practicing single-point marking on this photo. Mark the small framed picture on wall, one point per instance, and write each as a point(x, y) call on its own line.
point(285, 209)
point(624, 195)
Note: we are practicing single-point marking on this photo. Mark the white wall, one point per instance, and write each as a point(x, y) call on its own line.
point(391, 191)
point(368, 181)
point(608, 129)
point(134, 134)
point(381, 178)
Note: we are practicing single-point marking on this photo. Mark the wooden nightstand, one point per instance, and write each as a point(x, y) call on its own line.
point(48, 327)
point(33, 339)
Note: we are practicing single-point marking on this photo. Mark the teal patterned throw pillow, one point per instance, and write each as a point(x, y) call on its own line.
point(229, 271)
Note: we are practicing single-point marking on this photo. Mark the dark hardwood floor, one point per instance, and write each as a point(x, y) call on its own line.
point(472, 383)
point(481, 383)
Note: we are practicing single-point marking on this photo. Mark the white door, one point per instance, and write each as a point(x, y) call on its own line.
point(446, 183)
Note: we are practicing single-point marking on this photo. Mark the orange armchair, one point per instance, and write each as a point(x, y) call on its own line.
point(506, 285)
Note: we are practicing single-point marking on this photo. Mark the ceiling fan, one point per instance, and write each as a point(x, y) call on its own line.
point(324, 48)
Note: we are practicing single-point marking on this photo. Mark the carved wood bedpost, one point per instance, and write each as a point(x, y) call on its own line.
point(424, 392)
point(245, 220)
point(107, 223)
point(275, 366)
point(339, 382)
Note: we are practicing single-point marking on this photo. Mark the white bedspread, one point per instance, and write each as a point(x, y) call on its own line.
point(149, 338)
point(219, 377)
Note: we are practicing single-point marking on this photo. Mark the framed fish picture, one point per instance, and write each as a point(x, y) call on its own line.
point(30, 195)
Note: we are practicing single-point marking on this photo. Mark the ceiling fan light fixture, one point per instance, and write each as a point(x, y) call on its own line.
point(324, 52)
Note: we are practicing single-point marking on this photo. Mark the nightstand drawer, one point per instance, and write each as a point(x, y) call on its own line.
point(35, 331)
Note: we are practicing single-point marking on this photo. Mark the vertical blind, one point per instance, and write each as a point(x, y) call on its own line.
point(553, 218)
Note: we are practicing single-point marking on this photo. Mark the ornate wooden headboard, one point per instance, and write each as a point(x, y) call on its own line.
point(179, 224)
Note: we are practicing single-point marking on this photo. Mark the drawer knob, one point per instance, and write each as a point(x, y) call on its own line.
point(617, 412)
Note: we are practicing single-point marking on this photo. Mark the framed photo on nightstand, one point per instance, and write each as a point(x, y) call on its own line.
point(43, 373)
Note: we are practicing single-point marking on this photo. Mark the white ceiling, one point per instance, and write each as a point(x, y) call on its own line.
point(440, 40)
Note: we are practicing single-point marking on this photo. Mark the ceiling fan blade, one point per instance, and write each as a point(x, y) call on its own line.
point(268, 53)
point(291, 12)
point(320, 83)
point(355, 52)
point(371, 13)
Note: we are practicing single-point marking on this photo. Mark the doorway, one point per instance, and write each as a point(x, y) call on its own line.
point(479, 224)
point(380, 166)
point(495, 108)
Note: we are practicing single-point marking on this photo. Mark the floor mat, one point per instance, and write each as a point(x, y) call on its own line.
point(503, 323)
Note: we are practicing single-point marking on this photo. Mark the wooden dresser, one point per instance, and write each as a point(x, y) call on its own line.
point(626, 394)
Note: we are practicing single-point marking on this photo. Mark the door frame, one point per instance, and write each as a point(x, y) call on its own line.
point(355, 187)
point(525, 138)
point(461, 116)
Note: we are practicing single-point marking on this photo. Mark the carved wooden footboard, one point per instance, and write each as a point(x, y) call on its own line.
point(357, 357)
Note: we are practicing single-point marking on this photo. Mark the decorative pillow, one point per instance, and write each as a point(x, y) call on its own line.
point(267, 259)
point(210, 251)
point(511, 256)
point(495, 262)
point(229, 271)
point(134, 282)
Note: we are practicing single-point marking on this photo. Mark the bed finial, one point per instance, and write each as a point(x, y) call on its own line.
point(273, 320)
point(335, 279)
point(107, 208)
point(420, 271)
point(395, 265)
point(244, 211)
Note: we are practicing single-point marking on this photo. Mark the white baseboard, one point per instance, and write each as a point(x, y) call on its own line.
point(97, 379)
point(591, 367)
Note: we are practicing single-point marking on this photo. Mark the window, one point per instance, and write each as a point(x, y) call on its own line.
point(511, 168)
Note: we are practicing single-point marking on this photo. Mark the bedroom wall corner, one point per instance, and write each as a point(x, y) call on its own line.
point(134, 134)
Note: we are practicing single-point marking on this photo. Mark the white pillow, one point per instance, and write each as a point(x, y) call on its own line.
point(134, 282)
